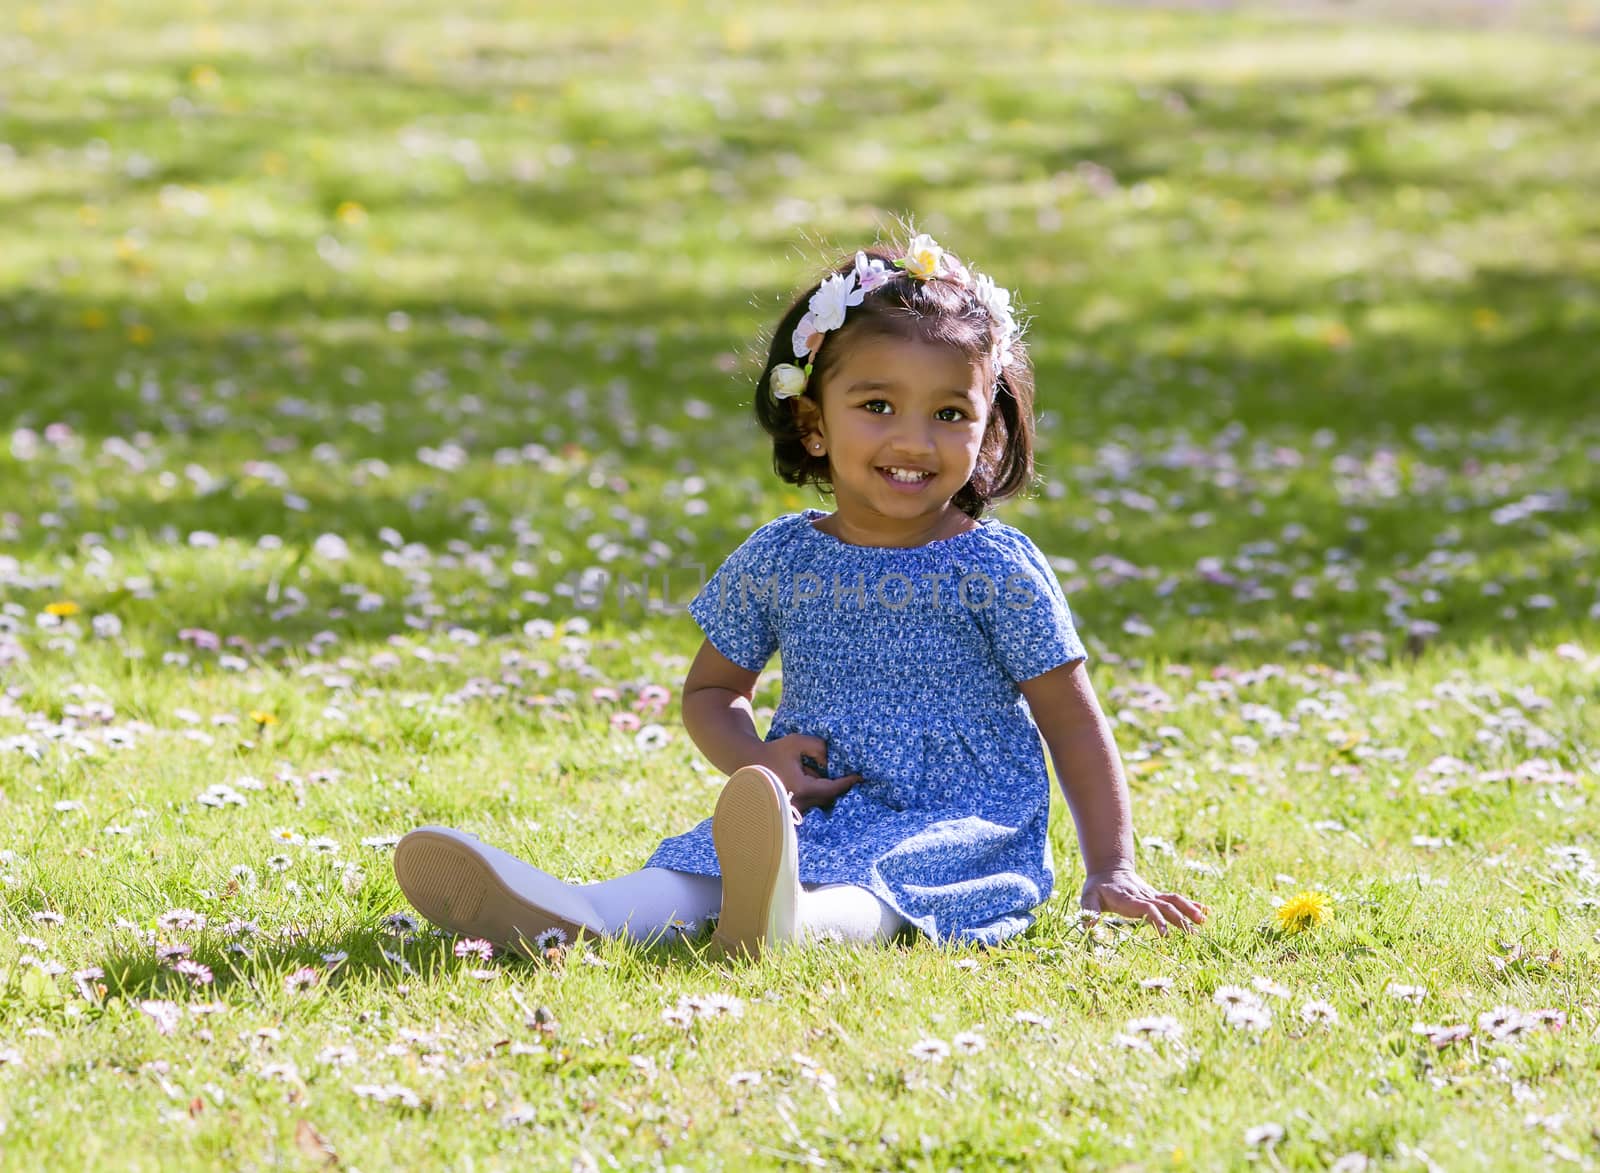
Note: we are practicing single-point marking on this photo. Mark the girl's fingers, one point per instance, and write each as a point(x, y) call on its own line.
point(1132, 906)
point(1178, 916)
point(816, 791)
point(1183, 908)
point(1153, 909)
point(811, 747)
point(1156, 915)
point(1190, 909)
point(1183, 913)
point(833, 787)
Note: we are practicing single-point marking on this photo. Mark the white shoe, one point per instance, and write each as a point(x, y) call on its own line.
point(753, 830)
point(462, 884)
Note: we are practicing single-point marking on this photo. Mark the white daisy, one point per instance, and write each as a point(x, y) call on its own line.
point(652, 737)
point(1263, 1134)
point(969, 1042)
point(1229, 996)
point(1405, 993)
point(1249, 1018)
point(1319, 1012)
point(1268, 986)
point(1159, 1026)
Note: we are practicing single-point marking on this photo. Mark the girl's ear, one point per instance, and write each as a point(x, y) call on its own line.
point(808, 418)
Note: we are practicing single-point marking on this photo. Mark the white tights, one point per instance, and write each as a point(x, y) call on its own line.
point(645, 904)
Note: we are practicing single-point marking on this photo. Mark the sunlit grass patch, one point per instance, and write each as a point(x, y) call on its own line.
point(376, 388)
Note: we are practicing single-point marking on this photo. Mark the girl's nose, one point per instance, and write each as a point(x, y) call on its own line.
point(914, 439)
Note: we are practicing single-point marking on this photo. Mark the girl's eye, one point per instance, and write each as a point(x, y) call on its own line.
point(949, 415)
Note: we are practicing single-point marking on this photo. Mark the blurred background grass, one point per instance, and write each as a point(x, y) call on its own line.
point(499, 275)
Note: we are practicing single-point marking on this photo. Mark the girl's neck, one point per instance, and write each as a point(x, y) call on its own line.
point(884, 531)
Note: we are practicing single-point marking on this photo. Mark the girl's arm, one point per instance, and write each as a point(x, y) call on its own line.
point(1090, 770)
point(716, 710)
point(718, 715)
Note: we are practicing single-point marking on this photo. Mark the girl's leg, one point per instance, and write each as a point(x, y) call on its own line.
point(646, 904)
point(462, 884)
point(845, 912)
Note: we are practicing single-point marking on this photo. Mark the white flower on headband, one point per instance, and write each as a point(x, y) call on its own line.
point(923, 257)
point(1002, 349)
point(787, 381)
point(997, 300)
point(825, 311)
point(832, 298)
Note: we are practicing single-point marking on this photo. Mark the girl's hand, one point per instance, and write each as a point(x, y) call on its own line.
point(807, 787)
point(1126, 894)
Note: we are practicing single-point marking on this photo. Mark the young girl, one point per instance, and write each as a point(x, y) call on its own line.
point(925, 651)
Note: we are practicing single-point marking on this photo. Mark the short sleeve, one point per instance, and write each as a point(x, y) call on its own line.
point(738, 606)
point(1030, 626)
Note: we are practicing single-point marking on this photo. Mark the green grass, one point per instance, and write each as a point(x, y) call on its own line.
point(1314, 303)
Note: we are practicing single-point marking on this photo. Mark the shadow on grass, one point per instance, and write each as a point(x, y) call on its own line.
point(360, 956)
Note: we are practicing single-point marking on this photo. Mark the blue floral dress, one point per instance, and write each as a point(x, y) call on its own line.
point(906, 661)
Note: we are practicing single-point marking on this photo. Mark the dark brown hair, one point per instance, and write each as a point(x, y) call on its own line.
point(938, 311)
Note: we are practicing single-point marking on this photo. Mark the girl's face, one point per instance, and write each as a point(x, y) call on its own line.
point(900, 422)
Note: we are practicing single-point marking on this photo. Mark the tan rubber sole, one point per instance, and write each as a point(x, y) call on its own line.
point(458, 889)
point(748, 831)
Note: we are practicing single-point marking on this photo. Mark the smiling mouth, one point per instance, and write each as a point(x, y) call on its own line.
point(906, 476)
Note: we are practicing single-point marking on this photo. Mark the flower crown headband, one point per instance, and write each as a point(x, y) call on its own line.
point(924, 261)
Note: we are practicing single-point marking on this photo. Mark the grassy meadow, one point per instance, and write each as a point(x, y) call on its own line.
point(354, 354)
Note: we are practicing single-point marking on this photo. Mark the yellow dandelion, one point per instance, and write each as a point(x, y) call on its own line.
point(204, 77)
point(139, 334)
point(351, 213)
point(1304, 910)
point(63, 609)
point(263, 719)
